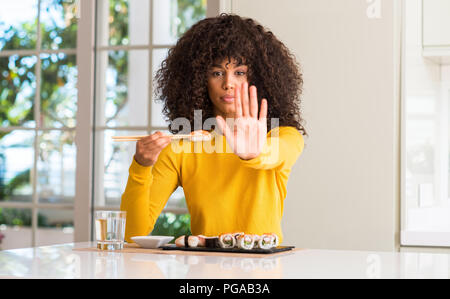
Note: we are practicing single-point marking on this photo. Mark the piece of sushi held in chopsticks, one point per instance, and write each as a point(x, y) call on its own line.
point(245, 242)
point(200, 135)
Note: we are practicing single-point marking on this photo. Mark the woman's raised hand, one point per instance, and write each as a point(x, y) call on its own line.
point(246, 134)
point(149, 148)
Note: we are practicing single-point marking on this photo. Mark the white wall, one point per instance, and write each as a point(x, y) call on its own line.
point(343, 193)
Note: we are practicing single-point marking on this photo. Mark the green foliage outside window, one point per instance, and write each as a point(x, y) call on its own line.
point(169, 224)
point(189, 12)
point(22, 217)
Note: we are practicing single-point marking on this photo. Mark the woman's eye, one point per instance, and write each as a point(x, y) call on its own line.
point(219, 73)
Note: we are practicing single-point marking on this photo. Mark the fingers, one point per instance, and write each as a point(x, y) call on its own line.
point(245, 101)
point(263, 111)
point(226, 131)
point(154, 142)
point(247, 106)
point(223, 126)
point(237, 101)
point(253, 102)
point(161, 142)
point(149, 148)
point(153, 137)
point(157, 144)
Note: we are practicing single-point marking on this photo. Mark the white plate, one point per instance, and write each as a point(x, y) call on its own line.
point(151, 241)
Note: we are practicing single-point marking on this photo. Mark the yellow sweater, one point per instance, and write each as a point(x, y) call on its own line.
point(223, 192)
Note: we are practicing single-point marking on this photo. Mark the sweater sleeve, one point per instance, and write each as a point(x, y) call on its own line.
point(147, 191)
point(282, 149)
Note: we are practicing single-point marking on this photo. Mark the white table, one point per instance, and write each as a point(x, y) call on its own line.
point(60, 261)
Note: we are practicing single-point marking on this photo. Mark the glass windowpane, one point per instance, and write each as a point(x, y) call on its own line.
point(58, 90)
point(16, 164)
point(177, 199)
point(56, 167)
point(171, 18)
point(15, 227)
point(122, 98)
point(58, 24)
point(17, 90)
point(158, 119)
point(54, 227)
point(123, 22)
point(18, 22)
point(112, 174)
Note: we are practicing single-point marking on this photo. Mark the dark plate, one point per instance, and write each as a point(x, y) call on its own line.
point(234, 250)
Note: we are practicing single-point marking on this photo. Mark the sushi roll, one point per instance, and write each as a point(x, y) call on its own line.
point(208, 242)
point(266, 241)
point(187, 241)
point(227, 241)
point(237, 234)
point(256, 240)
point(180, 241)
point(200, 135)
point(276, 240)
point(245, 242)
point(201, 240)
point(192, 241)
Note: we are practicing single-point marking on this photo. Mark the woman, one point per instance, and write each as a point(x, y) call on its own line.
point(226, 67)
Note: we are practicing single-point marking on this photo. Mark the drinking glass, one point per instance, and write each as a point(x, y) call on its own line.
point(110, 229)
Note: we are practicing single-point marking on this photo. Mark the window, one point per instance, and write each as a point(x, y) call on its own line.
point(46, 101)
point(133, 38)
point(425, 150)
point(38, 105)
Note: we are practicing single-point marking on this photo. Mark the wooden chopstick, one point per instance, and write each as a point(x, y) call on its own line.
point(142, 136)
point(127, 137)
point(139, 137)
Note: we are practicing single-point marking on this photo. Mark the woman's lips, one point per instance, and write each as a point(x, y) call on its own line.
point(227, 99)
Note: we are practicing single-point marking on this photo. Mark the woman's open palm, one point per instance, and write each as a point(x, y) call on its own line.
point(246, 133)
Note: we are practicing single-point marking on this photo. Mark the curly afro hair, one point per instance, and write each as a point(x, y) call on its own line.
point(181, 82)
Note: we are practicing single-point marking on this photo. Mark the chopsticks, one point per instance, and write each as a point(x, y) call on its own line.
point(139, 137)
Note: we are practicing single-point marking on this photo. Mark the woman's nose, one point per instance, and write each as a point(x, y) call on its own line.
point(228, 86)
point(228, 82)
